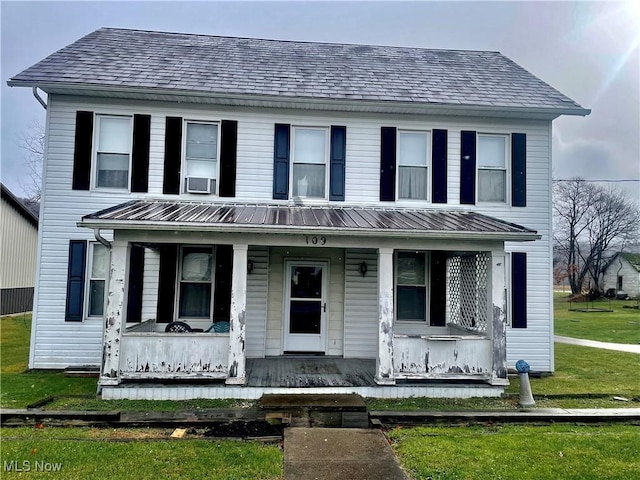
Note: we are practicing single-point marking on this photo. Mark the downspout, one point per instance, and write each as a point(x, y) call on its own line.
point(101, 239)
point(39, 98)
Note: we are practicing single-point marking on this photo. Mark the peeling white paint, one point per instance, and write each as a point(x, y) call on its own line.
point(116, 306)
point(237, 358)
point(384, 362)
point(498, 319)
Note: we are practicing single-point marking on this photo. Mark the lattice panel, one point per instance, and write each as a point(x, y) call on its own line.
point(468, 291)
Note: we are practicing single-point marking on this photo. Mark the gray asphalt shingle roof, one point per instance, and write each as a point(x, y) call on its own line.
point(177, 62)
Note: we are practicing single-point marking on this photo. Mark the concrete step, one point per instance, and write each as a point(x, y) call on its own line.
point(326, 403)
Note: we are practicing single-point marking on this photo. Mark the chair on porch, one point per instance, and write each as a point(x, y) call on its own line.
point(177, 327)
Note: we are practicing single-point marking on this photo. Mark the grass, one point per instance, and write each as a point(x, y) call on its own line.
point(620, 326)
point(136, 453)
point(519, 451)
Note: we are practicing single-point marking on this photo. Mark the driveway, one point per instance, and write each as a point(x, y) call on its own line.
point(620, 347)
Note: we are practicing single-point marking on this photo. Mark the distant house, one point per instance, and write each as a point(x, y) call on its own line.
point(623, 273)
point(19, 227)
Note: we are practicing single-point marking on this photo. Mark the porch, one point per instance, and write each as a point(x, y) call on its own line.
point(300, 375)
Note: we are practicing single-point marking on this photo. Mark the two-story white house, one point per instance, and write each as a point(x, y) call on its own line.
point(261, 216)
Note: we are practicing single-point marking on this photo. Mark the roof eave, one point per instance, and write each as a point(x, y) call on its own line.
point(300, 230)
point(284, 101)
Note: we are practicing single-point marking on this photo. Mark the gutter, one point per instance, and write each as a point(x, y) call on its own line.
point(362, 105)
point(39, 98)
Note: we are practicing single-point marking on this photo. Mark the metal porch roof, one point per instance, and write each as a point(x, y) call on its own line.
point(358, 221)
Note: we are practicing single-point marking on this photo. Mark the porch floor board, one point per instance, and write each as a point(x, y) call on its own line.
point(304, 372)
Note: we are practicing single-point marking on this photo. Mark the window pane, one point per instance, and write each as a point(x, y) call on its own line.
point(309, 145)
point(304, 317)
point(201, 168)
point(412, 182)
point(308, 180)
point(100, 261)
point(492, 185)
point(202, 141)
point(115, 135)
point(411, 268)
point(306, 282)
point(412, 149)
point(113, 170)
point(195, 300)
point(96, 298)
point(412, 303)
point(196, 265)
point(491, 151)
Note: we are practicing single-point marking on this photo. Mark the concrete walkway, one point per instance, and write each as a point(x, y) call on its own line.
point(620, 347)
point(340, 454)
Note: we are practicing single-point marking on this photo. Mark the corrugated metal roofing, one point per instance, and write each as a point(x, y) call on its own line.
point(172, 62)
point(176, 215)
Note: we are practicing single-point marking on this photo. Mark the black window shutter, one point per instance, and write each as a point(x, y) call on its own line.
point(387, 164)
point(439, 167)
point(281, 162)
point(222, 288)
point(519, 290)
point(338, 159)
point(438, 313)
point(140, 153)
point(519, 170)
point(167, 283)
point(172, 155)
point(75, 280)
point(467, 167)
point(136, 281)
point(82, 151)
point(228, 155)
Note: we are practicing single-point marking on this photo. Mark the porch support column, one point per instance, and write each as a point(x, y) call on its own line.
point(114, 312)
point(497, 318)
point(237, 361)
point(384, 362)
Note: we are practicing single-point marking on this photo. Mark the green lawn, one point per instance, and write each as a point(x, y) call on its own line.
point(519, 452)
point(620, 326)
point(135, 453)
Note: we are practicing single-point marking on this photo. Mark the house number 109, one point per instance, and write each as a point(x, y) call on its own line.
point(316, 240)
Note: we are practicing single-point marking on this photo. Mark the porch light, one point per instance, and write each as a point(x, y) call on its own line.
point(249, 266)
point(363, 269)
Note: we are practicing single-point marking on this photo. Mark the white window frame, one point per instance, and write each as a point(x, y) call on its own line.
point(96, 143)
point(327, 160)
point(506, 169)
point(428, 165)
point(179, 282)
point(426, 285)
point(183, 182)
point(89, 278)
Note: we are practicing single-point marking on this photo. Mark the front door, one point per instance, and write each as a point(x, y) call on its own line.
point(305, 322)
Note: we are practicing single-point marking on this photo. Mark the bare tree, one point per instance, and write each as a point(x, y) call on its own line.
point(32, 142)
point(591, 223)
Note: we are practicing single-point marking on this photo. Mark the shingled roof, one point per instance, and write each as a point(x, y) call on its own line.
point(174, 63)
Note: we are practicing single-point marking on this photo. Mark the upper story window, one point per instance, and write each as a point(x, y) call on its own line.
point(201, 154)
point(411, 286)
point(98, 269)
point(492, 168)
point(113, 152)
point(413, 165)
point(309, 162)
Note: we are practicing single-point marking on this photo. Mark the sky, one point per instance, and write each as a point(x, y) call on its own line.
point(587, 50)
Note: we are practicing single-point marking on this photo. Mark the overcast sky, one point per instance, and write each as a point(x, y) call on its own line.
point(587, 50)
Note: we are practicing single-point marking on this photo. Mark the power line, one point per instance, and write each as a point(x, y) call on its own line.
point(596, 181)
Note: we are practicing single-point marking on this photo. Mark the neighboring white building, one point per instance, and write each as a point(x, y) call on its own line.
point(623, 274)
point(358, 202)
point(18, 247)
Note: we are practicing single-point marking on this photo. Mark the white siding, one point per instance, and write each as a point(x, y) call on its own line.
point(58, 344)
point(630, 277)
point(150, 283)
point(19, 240)
point(257, 292)
point(361, 305)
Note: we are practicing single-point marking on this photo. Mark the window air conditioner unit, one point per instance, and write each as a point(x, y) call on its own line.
point(199, 185)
